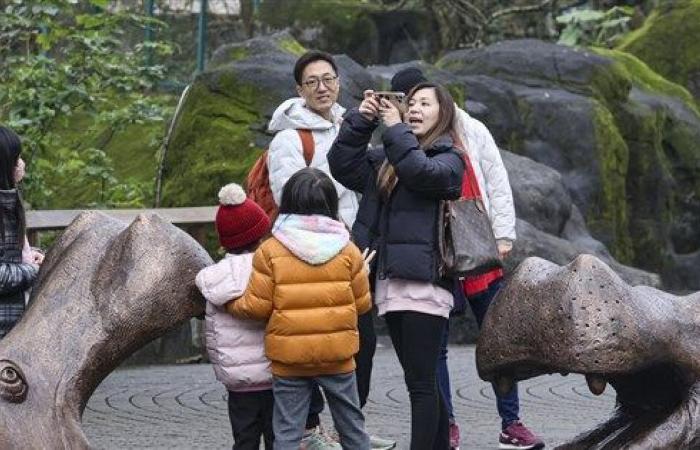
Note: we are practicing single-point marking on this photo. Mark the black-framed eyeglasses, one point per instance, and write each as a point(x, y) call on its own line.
point(329, 81)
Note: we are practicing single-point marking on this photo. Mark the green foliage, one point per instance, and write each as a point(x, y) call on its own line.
point(66, 66)
point(586, 27)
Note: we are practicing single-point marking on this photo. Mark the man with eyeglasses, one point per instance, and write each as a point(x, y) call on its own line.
point(316, 109)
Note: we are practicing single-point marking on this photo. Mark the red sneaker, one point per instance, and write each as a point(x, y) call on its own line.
point(516, 436)
point(454, 436)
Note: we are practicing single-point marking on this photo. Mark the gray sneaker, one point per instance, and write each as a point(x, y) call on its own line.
point(318, 440)
point(378, 443)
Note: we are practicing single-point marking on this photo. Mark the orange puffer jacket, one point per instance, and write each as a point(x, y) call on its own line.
point(312, 309)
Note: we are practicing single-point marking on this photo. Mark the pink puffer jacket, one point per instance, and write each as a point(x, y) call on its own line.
point(236, 346)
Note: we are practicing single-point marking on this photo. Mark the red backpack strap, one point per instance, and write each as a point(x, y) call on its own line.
point(307, 144)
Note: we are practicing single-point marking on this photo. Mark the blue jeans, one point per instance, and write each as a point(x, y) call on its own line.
point(508, 405)
point(292, 396)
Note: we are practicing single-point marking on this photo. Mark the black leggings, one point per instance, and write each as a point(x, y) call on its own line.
point(250, 414)
point(416, 338)
point(363, 358)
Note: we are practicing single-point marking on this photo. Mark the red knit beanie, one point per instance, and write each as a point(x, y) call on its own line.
point(239, 220)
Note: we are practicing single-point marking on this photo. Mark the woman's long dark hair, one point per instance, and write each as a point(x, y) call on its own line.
point(309, 191)
point(10, 150)
point(445, 125)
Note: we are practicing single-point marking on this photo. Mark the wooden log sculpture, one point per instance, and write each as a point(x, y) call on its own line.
point(583, 318)
point(105, 290)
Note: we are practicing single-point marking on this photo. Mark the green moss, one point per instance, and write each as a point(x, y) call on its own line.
point(642, 76)
point(292, 46)
point(450, 65)
point(130, 152)
point(683, 152)
point(668, 41)
point(649, 197)
point(238, 53)
point(457, 93)
point(133, 151)
point(213, 143)
point(610, 84)
point(515, 139)
point(613, 157)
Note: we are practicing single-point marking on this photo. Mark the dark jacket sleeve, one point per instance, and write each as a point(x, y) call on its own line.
point(16, 277)
point(347, 157)
point(438, 176)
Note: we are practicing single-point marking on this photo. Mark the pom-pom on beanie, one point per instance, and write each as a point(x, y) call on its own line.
point(239, 220)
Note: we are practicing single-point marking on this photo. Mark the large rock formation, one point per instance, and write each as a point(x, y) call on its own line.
point(104, 290)
point(550, 225)
point(668, 42)
point(583, 318)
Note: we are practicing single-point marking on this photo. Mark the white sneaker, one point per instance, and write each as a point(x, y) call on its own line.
point(316, 439)
point(378, 443)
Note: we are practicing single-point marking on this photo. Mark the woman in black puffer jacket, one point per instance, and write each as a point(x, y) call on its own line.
point(18, 263)
point(402, 186)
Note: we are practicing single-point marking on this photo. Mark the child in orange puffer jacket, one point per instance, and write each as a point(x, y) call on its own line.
point(311, 283)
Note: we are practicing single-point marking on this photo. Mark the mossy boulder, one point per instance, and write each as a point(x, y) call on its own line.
point(221, 129)
point(535, 63)
point(669, 42)
point(623, 137)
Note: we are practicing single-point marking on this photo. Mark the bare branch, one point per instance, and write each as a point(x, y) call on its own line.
point(396, 7)
point(400, 5)
point(467, 5)
point(518, 9)
point(530, 8)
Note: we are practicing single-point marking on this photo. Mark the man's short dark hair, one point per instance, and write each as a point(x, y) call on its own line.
point(309, 57)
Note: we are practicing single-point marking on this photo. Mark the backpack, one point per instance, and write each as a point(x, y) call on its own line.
point(258, 180)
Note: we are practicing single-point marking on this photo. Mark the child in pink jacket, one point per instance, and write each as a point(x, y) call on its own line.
point(235, 346)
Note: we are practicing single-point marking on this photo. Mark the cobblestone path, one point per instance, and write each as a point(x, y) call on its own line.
point(184, 407)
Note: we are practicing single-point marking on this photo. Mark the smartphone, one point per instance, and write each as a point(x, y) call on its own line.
point(397, 98)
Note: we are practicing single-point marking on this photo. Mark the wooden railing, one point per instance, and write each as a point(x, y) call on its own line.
point(193, 219)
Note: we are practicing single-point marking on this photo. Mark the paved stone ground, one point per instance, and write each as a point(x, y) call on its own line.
point(184, 407)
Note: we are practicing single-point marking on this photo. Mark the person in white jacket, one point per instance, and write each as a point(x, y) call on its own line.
point(236, 346)
point(316, 109)
point(492, 180)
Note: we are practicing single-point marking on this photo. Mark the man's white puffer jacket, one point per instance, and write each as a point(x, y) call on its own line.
point(286, 156)
point(491, 175)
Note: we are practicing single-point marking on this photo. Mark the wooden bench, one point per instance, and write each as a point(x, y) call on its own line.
point(194, 219)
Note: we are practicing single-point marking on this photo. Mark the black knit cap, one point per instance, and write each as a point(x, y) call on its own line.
point(405, 79)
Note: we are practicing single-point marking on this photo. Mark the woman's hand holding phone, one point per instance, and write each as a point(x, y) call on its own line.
point(369, 106)
point(389, 113)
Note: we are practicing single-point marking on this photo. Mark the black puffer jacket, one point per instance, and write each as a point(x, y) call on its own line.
point(15, 277)
point(403, 229)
